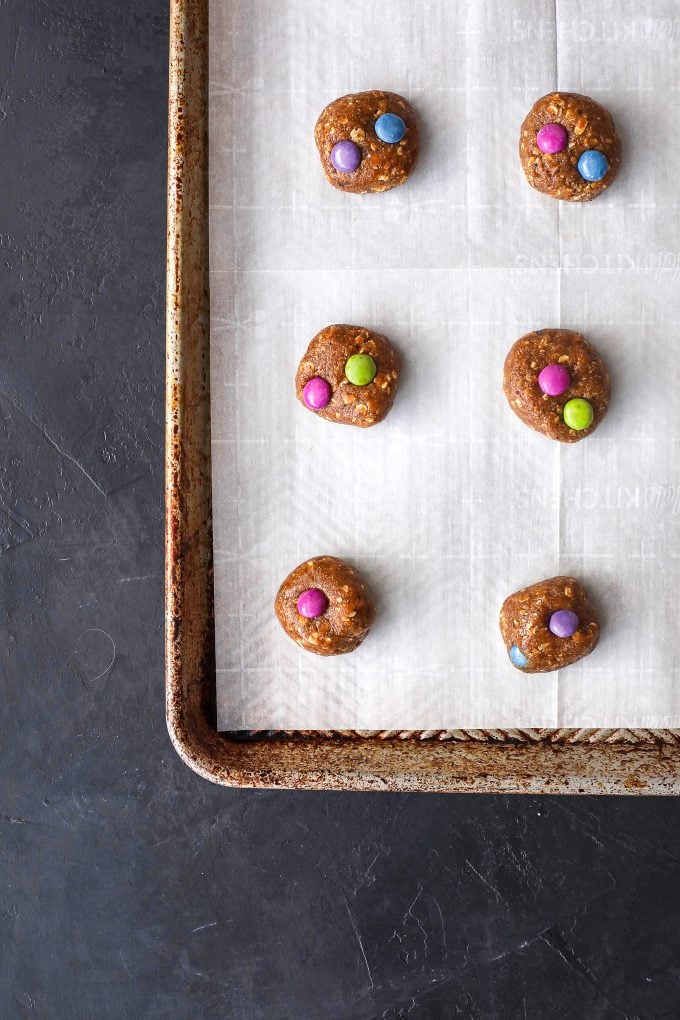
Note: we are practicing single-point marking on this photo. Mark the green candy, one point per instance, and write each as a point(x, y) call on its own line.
point(360, 369)
point(577, 414)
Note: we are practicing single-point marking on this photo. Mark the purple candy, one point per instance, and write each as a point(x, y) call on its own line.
point(563, 623)
point(312, 603)
point(317, 393)
point(552, 138)
point(346, 157)
point(554, 380)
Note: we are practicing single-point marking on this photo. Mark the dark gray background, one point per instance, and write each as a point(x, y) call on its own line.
point(129, 887)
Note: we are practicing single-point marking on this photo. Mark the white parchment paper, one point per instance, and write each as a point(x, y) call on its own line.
point(450, 504)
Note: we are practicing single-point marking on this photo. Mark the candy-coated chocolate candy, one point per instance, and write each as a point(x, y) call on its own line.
point(577, 414)
point(312, 602)
point(517, 657)
point(563, 623)
point(554, 379)
point(317, 393)
point(360, 369)
point(390, 128)
point(592, 165)
point(346, 157)
point(552, 138)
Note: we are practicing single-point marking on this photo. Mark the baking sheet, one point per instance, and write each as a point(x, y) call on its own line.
point(450, 504)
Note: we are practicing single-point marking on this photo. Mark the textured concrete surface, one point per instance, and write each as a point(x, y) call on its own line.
point(129, 888)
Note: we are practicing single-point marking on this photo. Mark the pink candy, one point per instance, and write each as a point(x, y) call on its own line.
point(552, 138)
point(312, 602)
point(554, 380)
point(317, 393)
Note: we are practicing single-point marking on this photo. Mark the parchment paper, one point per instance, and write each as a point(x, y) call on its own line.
point(451, 504)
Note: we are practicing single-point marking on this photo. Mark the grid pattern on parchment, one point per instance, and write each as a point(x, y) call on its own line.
point(451, 503)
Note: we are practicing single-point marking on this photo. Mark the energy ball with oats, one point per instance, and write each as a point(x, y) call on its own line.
point(568, 147)
point(367, 141)
point(348, 374)
point(549, 625)
point(325, 606)
point(557, 384)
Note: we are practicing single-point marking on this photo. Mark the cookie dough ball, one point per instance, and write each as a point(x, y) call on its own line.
point(367, 141)
point(325, 606)
point(569, 148)
point(549, 625)
point(557, 384)
point(349, 375)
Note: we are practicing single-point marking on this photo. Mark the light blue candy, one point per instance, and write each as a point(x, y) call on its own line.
point(592, 165)
point(390, 128)
point(518, 658)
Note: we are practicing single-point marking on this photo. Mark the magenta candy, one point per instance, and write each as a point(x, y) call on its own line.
point(346, 157)
point(317, 393)
point(312, 602)
point(552, 138)
point(563, 623)
point(554, 380)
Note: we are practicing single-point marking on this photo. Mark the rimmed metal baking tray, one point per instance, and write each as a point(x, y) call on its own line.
point(475, 761)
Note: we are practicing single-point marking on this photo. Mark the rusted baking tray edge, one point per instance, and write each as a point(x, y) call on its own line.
point(517, 761)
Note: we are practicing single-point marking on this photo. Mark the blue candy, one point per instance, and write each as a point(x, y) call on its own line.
point(518, 658)
point(592, 165)
point(390, 128)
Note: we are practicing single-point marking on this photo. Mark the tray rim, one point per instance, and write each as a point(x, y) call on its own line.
point(474, 761)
